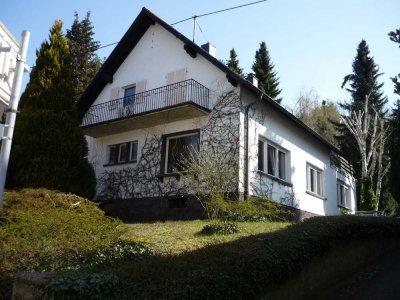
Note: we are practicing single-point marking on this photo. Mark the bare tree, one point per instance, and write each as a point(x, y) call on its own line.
point(368, 128)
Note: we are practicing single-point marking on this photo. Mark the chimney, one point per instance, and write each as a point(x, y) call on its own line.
point(253, 79)
point(210, 49)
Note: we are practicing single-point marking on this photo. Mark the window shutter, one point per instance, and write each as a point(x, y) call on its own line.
point(170, 78)
point(141, 86)
point(180, 75)
point(114, 93)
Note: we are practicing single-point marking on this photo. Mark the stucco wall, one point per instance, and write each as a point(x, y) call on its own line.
point(158, 53)
point(269, 124)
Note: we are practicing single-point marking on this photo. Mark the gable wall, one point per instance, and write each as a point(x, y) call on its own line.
point(156, 54)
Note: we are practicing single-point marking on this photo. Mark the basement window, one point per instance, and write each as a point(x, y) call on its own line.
point(177, 202)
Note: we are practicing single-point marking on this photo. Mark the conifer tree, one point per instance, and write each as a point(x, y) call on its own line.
point(49, 148)
point(263, 68)
point(394, 123)
point(362, 83)
point(83, 47)
point(394, 151)
point(233, 63)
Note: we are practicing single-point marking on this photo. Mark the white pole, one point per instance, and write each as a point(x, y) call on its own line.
point(12, 112)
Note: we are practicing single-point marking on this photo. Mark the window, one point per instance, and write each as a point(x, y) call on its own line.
point(272, 160)
point(180, 149)
point(129, 95)
point(314, 180)
point(122, 153)
point(343, 195)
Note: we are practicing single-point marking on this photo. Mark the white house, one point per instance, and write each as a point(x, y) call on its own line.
point(9, 48)
point(158, 93)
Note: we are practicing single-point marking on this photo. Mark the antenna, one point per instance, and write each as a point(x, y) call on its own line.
point(211, 13)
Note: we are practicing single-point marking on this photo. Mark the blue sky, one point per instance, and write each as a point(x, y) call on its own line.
point(311, 42)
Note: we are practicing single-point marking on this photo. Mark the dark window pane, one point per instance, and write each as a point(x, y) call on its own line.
point(312, 180)
point(282, 165)
point(261, 155)
point(113, 154)
point(271, 160)
point(181, 150)
point(134, 149)
point(129, 96)
point(123, 151)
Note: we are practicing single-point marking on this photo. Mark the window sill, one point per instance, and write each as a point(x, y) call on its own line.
point(280, 181)
point(316, 195)
point(162, 176)
point(342, 206)
point(120, 163)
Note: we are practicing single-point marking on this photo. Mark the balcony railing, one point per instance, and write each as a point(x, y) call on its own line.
point(188, 91)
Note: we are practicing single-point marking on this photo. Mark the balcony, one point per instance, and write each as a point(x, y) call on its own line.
point(183, 100)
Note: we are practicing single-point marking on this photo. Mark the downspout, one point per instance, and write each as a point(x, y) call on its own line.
point(246, 148)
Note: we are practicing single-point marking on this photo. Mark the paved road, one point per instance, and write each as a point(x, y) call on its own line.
point(380, 280)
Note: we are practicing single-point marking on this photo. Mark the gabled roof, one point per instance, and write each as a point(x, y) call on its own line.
point(130, 39)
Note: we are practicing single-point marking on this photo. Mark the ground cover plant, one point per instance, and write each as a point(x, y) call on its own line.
point(241, 267)
point(42, 230)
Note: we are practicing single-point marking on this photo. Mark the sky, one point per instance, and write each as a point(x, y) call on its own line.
point(312, 43)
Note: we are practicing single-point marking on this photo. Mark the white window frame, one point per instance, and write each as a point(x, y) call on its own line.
point(346, 203)
point(167, 147)
point(277, 150)
point(318, 190)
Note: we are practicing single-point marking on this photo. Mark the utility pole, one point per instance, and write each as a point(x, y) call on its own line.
point(12, 112)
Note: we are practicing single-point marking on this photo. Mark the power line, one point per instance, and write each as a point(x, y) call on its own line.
point(198, 16)
point(218, 11)
point(107, 45)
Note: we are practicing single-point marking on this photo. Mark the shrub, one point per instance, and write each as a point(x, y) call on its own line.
point(42, 230)
point(254, 209)
point(389, 204)
point(96, 286)
point(220, 228)
point(368, 198)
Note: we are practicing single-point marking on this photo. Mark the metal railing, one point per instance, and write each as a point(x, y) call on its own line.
point(188, 91)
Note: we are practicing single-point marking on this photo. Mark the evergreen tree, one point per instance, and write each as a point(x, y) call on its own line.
point(395, 37)
point(394, 151)
point(83, 47)
point(394, 141)
point(263, 68)
point(49, 148)
point(362, 82)
point(233, 62)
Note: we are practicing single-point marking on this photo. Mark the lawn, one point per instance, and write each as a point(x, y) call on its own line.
point(178, 237)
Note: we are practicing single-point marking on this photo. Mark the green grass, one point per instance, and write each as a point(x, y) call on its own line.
point(238, 266)
point(178, 237)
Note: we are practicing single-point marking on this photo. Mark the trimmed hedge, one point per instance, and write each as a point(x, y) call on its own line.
point(243, 269)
